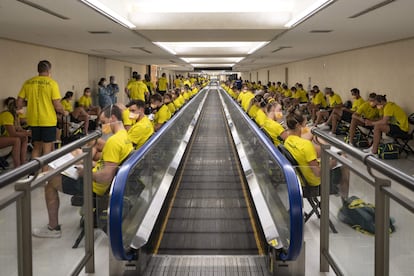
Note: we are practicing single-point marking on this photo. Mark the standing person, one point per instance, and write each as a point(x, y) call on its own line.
point(137, 90)
point(43, 102)
point(103, 94)
point(113, 89)
point(149, 84)
point(162, 85)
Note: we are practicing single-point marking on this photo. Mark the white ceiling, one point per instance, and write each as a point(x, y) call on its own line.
point(22, 22)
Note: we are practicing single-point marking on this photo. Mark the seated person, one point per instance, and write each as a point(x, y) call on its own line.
point(394, 122)
point(168, 100)
point(77, 114)
point(366, 112)
point(254, 105)
point(12, 134)
point(345, 114)
point(142, 128)
point(306, 155)
point(318, 102)
point(176, 99)
point(299, 96)
point(162, 113)
point(86, 103)
point(334, 106)
point(115, 150)
point(275, 130)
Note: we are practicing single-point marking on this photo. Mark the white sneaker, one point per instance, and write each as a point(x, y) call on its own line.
point(47, 232)
point(368, 150)
point(323, 126)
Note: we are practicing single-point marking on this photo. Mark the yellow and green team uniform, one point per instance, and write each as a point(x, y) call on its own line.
point(177, 103)
point(187, 95)
point(85, 101)
point(287, 93)
point(334, 100)
point(194, 91)
point(140, 132)
point(171, 107)
point(6, 119)
point(125, 118)
point(39, 92)
point(260, 118)
point(253, 111)
point(67, 105)
point(303, 96)
point(162, 84)
point(274, 129)
point(368, 112)
point(241, 96)
point(137, 90)
point(150, 86)
point(116, 149)
point(163, 114)
point(357, 103)
point(177, 83)
point(304, 152)
point(181, 100)
point(246, 100)
point(319, 99)
point(397, 116)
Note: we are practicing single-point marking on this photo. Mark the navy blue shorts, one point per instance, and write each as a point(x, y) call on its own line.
point(71, 186)
point(395, 131)
point(43, 134)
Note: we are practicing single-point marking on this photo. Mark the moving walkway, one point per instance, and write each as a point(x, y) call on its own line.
point(208, 192)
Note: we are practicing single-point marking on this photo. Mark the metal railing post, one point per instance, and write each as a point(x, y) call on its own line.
point(24, 230)
point(324, 221)
point(88, 209)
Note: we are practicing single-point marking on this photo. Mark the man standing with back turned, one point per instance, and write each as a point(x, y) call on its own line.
point(43, 102)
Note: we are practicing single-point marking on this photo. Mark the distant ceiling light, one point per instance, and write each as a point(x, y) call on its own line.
point(212, 59)
point(308, 12)
point(180, 48)
point(106, 11)
point(213, 65)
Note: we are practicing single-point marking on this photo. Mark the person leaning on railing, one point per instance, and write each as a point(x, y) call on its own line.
point(116, 149)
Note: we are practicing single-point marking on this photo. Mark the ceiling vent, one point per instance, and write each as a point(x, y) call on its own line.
point(281, 48)
point(372, 8)
point(321, 31)
point(43, 9)
point(142, 49)
point(99, 32)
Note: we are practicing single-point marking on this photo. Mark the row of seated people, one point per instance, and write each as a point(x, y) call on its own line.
point(328, 110)
point(124, 128)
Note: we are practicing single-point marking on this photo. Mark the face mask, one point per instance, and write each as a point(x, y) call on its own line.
point(106, 128)
point(133, 116)
point(154, 106)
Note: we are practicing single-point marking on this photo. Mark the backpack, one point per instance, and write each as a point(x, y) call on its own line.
point(360, 215)
point(360, 140)
point(342, 129)
point(389, 151)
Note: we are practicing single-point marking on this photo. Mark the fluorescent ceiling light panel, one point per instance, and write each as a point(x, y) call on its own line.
point(306, 12)
point(212, 59)
point(212, 65)
point(108, 9)
point(212, 48)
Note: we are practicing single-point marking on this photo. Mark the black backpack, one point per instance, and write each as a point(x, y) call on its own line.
point(360, 215)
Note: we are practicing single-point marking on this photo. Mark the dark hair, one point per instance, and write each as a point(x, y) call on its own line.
point(294, 118)
point(44, 66)
point(168, 95)
point(86, 88)
point(101, 81)
point(147, 77)
point(381, 98)
point(11, 105)
point(68, 95)
point(135, 74)
point(372, 95)
point(293, 88)
point(156, 98)
point(112, 110)
point(355, 91)
point(138, 103)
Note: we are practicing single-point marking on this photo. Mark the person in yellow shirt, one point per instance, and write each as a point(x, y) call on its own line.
point(246, 98)
point(335, 105)
point(394, 122)
point(175, 98)
point(318, 102)
point(186, 92)
point(43, 102)
point(274, 129)
point(12, 134)
point(85, 101)
point(77, 114)
point(305, 154)
point(365, 112)
point(142, 129)
point(162, 113)
point(116, 149)
point(177, 82)
point(137, 90)
point(168, 100)
point(162, 84)
point(150, 85)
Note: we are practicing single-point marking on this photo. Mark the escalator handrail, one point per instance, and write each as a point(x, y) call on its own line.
point(293, 184)
point(119, 185)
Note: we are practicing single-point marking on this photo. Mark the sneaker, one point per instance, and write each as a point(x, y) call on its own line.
point(323, 126)
point(368, 150)
point(47, 232)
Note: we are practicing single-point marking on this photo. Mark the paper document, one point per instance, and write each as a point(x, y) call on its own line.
point(71, 171)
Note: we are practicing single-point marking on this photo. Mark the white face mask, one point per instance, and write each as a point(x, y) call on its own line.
point(133, 116)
